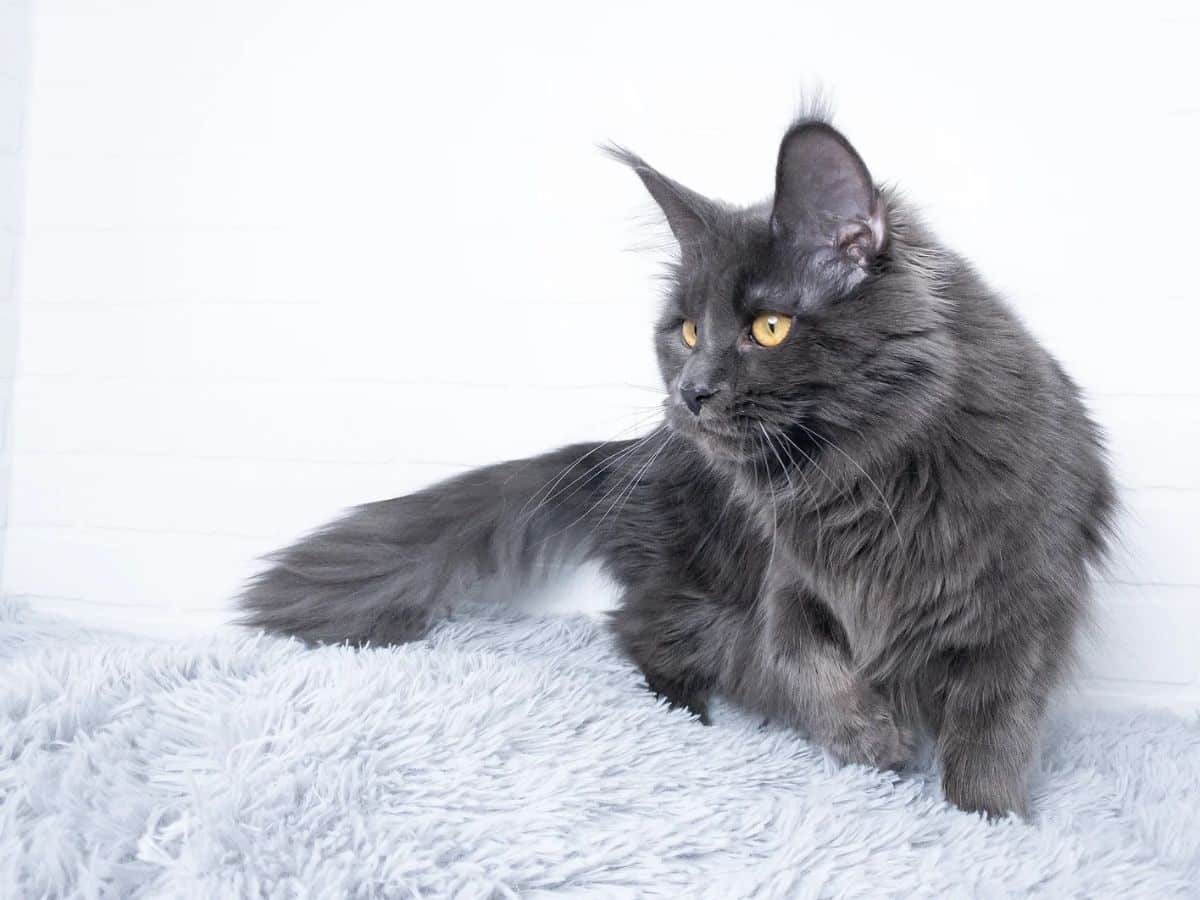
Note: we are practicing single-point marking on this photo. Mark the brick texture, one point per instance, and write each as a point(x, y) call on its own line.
point(279, 258)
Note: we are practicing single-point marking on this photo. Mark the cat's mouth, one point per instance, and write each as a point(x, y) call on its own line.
point(712, 433)
point(742, 439)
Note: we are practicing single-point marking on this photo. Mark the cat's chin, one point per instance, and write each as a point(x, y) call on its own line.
point(719, 443)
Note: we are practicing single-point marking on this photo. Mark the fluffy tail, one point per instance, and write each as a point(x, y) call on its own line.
point(388, 570)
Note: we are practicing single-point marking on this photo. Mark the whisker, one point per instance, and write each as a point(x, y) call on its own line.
point(854, 462)
point(813, 462)
point(641, 473)
point(608, 493)
point(809, 490)
point(576, 484)
point(774, 519)
point(645, 387)
point(553, 483)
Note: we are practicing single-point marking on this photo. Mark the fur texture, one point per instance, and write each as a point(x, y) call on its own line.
point(880, 526)
point(506, 758)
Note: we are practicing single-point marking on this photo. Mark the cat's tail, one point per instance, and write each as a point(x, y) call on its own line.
point(387, 571)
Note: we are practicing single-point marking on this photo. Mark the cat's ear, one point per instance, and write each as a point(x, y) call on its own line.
point(824, 196)
point(691, 216)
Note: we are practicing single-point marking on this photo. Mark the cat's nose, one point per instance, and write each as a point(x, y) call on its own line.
point(694, 395)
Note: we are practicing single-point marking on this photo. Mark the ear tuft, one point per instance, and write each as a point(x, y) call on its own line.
point(824, 195)
point(691, 216)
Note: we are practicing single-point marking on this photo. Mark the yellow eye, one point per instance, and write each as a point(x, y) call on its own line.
point(689, 332)
point(769, 329)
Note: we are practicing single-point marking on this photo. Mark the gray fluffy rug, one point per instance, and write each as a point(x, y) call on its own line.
point(518, 757)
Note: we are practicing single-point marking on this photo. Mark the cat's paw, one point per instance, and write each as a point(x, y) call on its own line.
point(679, 696)
point(871, 736)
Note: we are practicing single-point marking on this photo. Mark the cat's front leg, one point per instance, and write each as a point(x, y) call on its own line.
point(860, 726)
point(677, 635)
point(805, 674)
point(988, 732)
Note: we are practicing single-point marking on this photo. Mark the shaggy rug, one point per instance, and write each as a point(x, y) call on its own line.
point(516, 757)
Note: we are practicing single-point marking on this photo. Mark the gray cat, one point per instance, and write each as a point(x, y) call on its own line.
point(870, 509)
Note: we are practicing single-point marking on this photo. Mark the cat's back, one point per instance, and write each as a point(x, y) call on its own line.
point(1018, 426)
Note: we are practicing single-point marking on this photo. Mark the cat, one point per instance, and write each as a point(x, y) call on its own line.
point(870, 510)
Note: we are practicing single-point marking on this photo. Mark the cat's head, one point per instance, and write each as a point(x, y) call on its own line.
point(803, 321)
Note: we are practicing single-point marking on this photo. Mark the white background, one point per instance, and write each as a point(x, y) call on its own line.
point(275, 258)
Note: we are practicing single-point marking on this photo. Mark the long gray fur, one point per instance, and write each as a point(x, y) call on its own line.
point(885, 524)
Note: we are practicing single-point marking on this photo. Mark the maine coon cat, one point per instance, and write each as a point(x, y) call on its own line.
point(870, 507)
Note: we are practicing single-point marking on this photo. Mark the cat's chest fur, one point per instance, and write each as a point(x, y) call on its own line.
point(851, 553)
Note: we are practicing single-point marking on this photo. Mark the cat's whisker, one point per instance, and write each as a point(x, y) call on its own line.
point(816, 504)
point(774, 511)
point(543, 494)
point(610, 464)
point(637, 479)
point(609, 492)
point(616, 490)
point(854, 462)
point(645, 387)
point(628, 486)
point(607, 463)
point(809, 490)
point(816, 465)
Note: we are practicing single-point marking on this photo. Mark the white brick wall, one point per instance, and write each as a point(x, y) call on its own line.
point(15, 43)
point(279, 258)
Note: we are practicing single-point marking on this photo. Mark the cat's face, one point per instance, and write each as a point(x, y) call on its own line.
point(788, 326)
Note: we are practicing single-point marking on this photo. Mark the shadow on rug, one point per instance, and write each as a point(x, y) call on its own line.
point(516, 757)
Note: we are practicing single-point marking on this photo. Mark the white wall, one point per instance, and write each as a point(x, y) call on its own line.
point(14, 90)
point(285, 257)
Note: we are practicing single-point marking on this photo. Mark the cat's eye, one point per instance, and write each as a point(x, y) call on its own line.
point(689, 333)
point(769, 329)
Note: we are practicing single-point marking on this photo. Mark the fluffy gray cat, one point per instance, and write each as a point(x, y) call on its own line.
point(870, 508)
